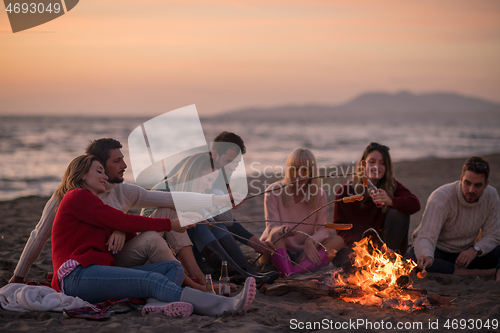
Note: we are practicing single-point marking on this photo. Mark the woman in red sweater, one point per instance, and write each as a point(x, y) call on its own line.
point(83, 265)
point(386, 210)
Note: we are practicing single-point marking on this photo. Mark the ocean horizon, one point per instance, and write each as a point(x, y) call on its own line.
point(35, 150)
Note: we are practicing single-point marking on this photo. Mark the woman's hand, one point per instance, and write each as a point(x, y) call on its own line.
point(311, 252)
point(381, 197)
point(287, 231)
point(260, 246)
point(116, 241)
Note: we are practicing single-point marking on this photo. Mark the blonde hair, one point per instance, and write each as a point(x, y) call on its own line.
point(73, 176)
point(186, 177)
point(387, 183)
point(301, 158)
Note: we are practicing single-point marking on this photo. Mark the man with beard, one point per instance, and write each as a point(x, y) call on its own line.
point(149, 245)
point(447, 239)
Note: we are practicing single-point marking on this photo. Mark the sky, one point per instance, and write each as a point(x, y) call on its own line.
point(144, 58)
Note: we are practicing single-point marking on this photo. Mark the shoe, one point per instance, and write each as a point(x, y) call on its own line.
point(283, 266)
point(172, 309)
point(325, 260)
point(267, 278)
point(210, 305)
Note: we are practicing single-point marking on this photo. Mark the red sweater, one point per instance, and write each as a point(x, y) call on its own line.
point(365, 214)
point(83, 224)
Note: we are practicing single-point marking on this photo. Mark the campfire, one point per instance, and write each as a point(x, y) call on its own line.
point(383, 277)
point(368, 274)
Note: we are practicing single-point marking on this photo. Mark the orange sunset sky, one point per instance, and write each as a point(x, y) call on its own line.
point(122, 57)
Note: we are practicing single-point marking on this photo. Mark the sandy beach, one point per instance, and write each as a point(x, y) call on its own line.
point(474, 298)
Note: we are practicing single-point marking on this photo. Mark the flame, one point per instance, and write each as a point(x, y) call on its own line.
point(377, 274)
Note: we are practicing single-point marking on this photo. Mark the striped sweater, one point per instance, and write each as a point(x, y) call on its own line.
point(452, 224)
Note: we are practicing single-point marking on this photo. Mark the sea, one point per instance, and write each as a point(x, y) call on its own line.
point(35, 150)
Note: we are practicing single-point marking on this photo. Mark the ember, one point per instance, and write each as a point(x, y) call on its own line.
point(383, 276)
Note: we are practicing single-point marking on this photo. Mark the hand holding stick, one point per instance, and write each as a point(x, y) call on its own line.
point(422, 273)
point(353, 198)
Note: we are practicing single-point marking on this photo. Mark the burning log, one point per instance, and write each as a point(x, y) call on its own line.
point(312, 288)
point(370, 274)
point(403, 281)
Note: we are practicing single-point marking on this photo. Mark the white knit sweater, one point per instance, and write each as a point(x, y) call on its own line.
point(120, 196)
point(452, 224)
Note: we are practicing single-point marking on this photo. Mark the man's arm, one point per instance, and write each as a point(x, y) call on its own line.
point(435, 215)
point(137, 197)
point(38, 237)
point(491, 228)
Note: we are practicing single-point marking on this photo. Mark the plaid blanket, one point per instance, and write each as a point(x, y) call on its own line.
point(105, 310)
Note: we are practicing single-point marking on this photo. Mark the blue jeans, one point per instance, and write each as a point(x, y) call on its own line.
point(96, 283)
point(444, 262)
point(202, 235)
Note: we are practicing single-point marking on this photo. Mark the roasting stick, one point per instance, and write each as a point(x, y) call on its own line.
point(249, 241)
point(352, 198)
point(422, 273)
point(330, 253)
point(334, 226)
point(274, 189)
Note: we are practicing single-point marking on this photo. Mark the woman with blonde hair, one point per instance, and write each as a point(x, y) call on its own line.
point(84, 267)
point(387, 210)
point(292, 203)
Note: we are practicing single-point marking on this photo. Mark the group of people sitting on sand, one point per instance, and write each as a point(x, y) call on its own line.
point(99, 252)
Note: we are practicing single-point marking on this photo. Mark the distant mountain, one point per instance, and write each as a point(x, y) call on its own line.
point(403, 103)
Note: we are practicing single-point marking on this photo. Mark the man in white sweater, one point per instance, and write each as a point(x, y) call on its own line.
point(128, 253)
point(445, 241)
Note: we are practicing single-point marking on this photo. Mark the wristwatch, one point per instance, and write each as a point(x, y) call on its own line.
point(478, 250)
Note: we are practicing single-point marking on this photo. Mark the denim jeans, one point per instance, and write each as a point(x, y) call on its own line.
point(96, 283)
point(202, 235)
point(395, 230)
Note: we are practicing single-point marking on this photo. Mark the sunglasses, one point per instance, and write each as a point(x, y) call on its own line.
point(375, 145)
point(477, 165)
point(302, 172)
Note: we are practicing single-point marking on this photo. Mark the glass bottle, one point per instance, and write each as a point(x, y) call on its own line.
point(224, 288)
point(209, 286)
point(373, 189)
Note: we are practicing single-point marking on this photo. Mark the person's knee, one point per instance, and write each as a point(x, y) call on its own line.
point(396, 216)
point(334, 242)
point(154, 241)
point(274, 237)
point(161, 213)
point(176, 265)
